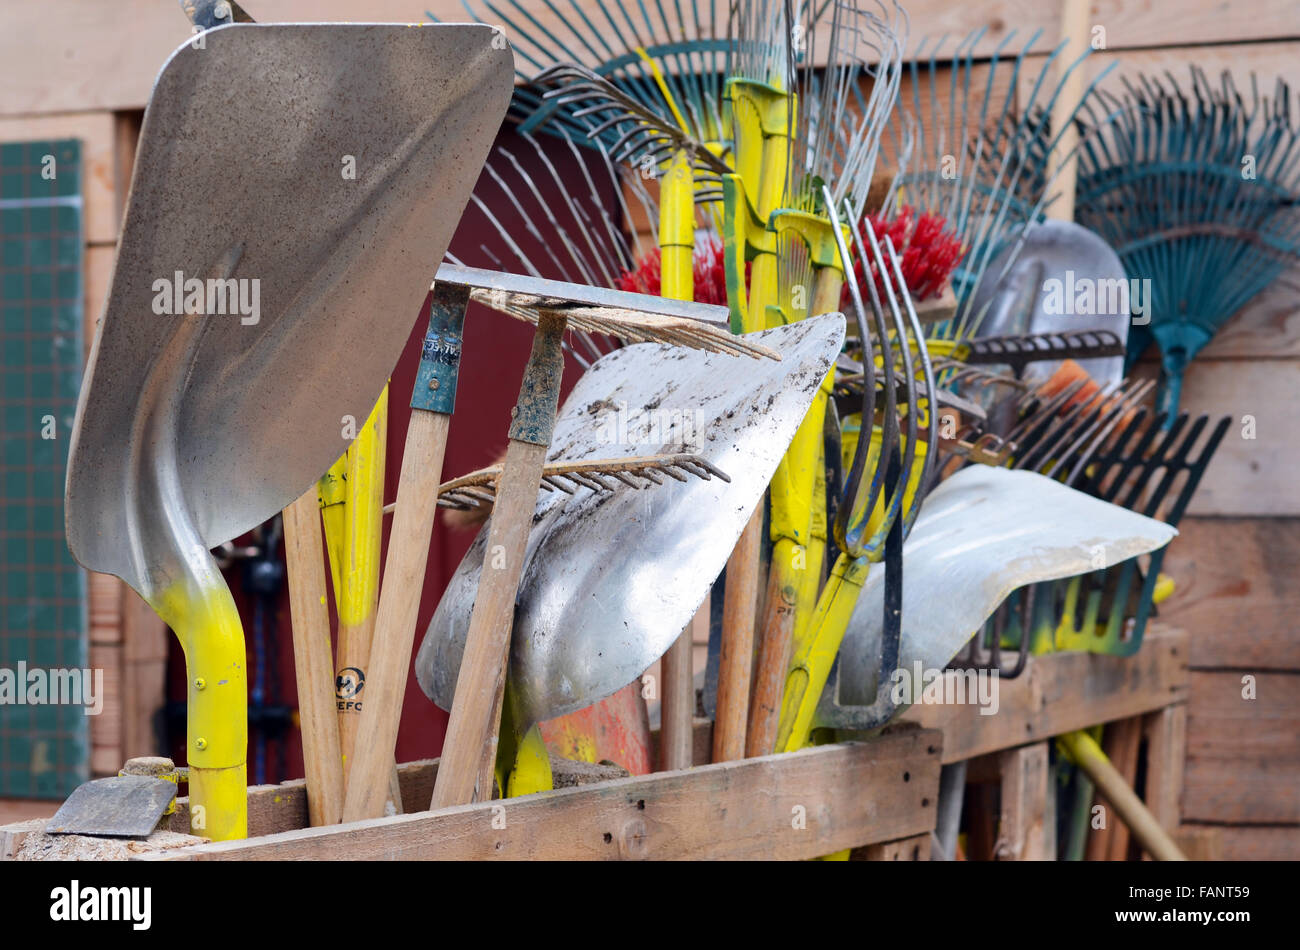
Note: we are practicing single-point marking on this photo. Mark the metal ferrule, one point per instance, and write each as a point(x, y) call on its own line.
point(533, 418)
point(435, 381)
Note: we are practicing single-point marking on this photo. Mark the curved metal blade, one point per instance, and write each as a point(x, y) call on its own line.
point(612, 578)
point(193, 427)
point(983, 533)
point(1021, 300)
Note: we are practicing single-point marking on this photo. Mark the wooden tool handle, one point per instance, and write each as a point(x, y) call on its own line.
point(399, 601)
point(1061, 163)
point(363, 520)
point(1146, 829)
point(677, 703)
point(313, 660)
point(469, 750)
point(772, 666)
point(736, 659)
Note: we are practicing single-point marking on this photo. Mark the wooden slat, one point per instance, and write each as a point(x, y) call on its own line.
point(1243, 755)
point(1235, 591)
point(1248, 477)
point(1023, 818)
point(1253, 843)
point(915, 848)
point(1062, 692)
point(748, 809)
point(1268, 327)
point(1166, 735)
point(66, 54)
point(144, 674)
point(106, 737)
point(1121, 741)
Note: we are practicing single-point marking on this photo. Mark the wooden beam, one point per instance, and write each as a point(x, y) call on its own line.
point(1061, 692)
point(1023, 833)
point(1120, 741)
point(61, 55)
point(794, 806)
point(1166, 735)
point(915, 848)
point(1235, 592)
point(1241, 842)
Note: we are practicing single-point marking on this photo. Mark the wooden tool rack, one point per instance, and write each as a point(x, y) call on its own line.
point(877, 796)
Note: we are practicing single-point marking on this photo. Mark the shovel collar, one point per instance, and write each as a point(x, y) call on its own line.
point(435, 381)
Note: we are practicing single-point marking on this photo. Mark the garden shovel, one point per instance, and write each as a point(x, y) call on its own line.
point(609, 580)
point(294, 187)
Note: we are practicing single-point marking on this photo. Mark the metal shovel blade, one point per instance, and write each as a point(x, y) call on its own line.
point(125, 806)
point(1058, 269)
point(610, 579)
point(982, 534)
point(304, 180)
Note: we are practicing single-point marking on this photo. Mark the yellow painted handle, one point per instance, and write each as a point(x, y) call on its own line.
point(207, 624)
point(814, 652)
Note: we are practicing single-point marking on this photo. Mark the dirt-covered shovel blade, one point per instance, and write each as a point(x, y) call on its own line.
point(294, 189)
point(610, 579)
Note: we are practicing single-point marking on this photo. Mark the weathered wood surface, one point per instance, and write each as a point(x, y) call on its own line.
point(1236, 592)
point(793, 806)
point(1243, 755)
point(1065, 691)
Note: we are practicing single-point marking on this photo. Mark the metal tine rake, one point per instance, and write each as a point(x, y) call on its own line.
point(983, 170)
point(478, 488)
point(1165, 185)
point(1060, 437)
point(633, 133)
point(902, 465)
point(1113, 471)
point(594, 248)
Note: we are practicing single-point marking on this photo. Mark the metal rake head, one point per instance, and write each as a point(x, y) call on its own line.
point(478, 489)
point(982, 165)
point(653, 50)
point(1103, 443)
point(624, 320)
point(633, 133)
point(1199, 193)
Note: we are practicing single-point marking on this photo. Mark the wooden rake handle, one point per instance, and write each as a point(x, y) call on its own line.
point(432, 402)
point(469, 749)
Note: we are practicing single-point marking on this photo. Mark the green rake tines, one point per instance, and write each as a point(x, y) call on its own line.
point(642, 47)
point(1198, 194)
point(982, 162)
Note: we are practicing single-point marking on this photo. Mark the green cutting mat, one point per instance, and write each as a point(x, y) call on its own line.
point(44, 749)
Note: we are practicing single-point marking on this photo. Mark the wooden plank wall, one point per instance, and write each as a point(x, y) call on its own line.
point(72, 67)
point(1236, 562)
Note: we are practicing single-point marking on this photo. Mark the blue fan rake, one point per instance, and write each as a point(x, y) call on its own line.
point(1197, 192)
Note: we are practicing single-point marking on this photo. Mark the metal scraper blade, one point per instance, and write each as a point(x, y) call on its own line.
point(125, 806)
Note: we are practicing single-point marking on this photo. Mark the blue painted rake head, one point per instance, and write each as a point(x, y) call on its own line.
point(1198, 193)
